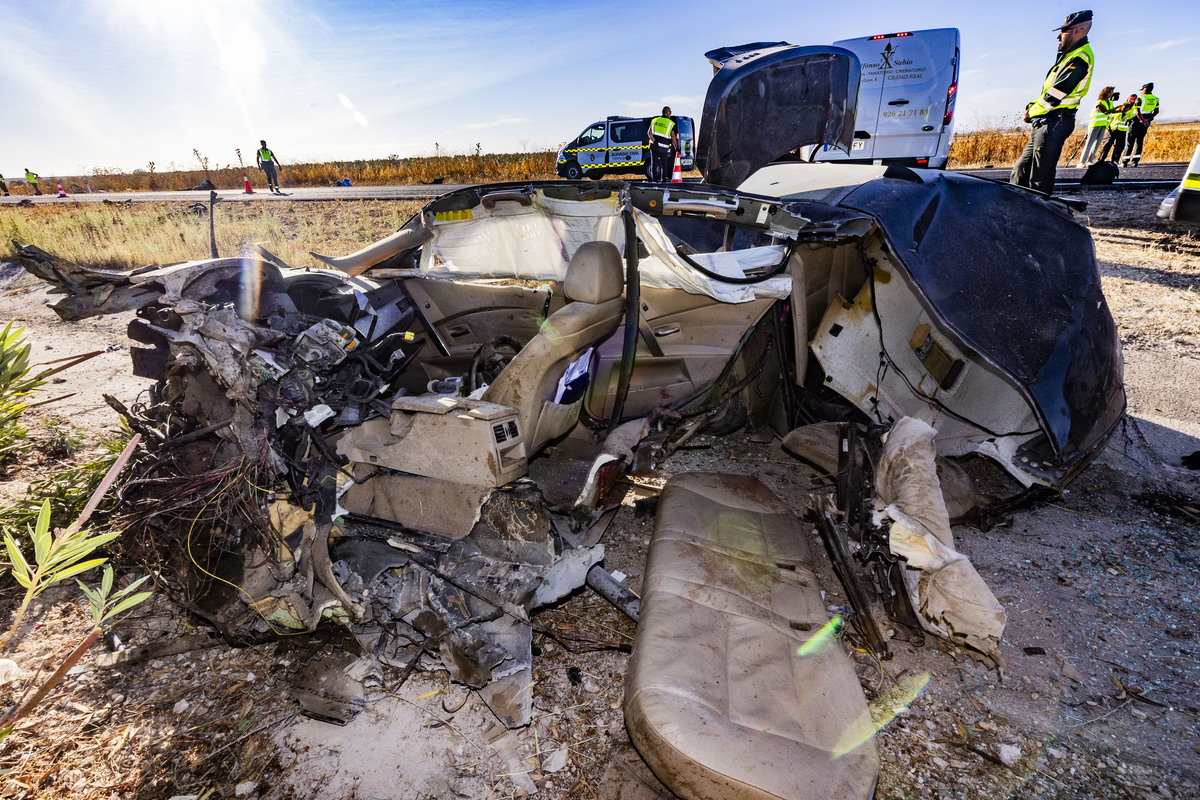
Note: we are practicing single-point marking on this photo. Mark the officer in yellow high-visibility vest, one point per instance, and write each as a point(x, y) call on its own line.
point(1098, 124)
point(1146, 111)
point(1053, 113)
point(1118, 128)
point(266, 162)
point(663, 135)
point(32, 179)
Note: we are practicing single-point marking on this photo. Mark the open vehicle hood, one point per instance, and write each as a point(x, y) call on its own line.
point(768, 99)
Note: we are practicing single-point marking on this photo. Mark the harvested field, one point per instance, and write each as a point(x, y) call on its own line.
point(1000, 146)
point(1098, 698)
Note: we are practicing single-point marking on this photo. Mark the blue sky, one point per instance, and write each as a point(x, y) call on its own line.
point(120, 83)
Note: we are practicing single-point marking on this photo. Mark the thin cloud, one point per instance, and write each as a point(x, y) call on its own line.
point(1158, 48)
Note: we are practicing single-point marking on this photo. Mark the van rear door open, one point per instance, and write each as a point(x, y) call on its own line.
point(906, 95)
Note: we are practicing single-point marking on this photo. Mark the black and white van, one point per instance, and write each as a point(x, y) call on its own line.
point(906, 93)
point(619, 145)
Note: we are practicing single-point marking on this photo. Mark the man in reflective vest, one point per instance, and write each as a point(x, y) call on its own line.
point(32, 179)
point(1147, 110)
point(266, 162)
point(1053, 113)
point(663, 135)
point(1118, 128)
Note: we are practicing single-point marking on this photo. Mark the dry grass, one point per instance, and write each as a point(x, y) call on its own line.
point(1000, 145)
point(124, 237)
point(393, 170)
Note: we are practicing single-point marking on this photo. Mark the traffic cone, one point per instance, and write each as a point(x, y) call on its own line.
point(61, 193)
point(246, 180)
point(677, 173)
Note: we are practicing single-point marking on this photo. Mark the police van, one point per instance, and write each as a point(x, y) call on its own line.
point(619, 145)
point(906, 94)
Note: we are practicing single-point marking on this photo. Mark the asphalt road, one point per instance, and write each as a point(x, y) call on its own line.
point(1172, 172)
point(1066, 176)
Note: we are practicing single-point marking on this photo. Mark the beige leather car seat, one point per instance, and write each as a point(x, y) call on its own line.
point(736, 688)
point(594, 285)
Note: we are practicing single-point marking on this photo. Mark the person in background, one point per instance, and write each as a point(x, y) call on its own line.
point(3, 186)
point(1053, 113)
point(266, 162)
point(1143, 116)
point(663, 135)
point(1098, 126)
point(1118, 127)
point(32, 179)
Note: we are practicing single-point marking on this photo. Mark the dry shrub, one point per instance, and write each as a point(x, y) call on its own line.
point(1002, 144)
point(470, 168)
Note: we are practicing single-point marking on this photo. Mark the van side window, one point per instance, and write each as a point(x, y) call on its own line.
point(592, 135)
point(627, 132)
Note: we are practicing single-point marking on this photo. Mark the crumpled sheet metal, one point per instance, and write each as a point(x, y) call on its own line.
point(465, 601)
point(951, 598)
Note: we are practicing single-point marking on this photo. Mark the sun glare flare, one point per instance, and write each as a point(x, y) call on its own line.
point(250, 287)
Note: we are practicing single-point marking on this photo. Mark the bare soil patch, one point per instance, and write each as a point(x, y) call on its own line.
point(1099, 697)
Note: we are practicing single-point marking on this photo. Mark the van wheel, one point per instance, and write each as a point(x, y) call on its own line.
point(572, 171)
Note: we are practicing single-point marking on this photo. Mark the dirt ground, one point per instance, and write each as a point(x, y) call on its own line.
point(1100, 696)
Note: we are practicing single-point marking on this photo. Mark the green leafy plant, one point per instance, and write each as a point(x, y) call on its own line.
point(17, 382)
point(105, 605)
point(55, 558)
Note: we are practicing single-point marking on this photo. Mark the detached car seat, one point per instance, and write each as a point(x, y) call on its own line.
point(529, 384)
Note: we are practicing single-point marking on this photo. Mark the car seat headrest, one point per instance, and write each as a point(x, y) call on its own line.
point(595, 274)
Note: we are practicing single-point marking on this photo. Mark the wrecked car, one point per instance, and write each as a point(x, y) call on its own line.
point(420, 443)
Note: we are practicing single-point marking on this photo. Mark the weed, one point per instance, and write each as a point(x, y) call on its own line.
point(15, 385)
point(66, 490)
point(202, 159)
point(56, 557)
point(61, 441)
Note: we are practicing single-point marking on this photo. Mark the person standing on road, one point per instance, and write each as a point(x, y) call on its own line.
point(1098, 126)
point(32, 179)
point(663, 135)
point(1053, 113)
point(266, 162)
point(1143, 116)
point(1118, 127)
point(3, 186)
